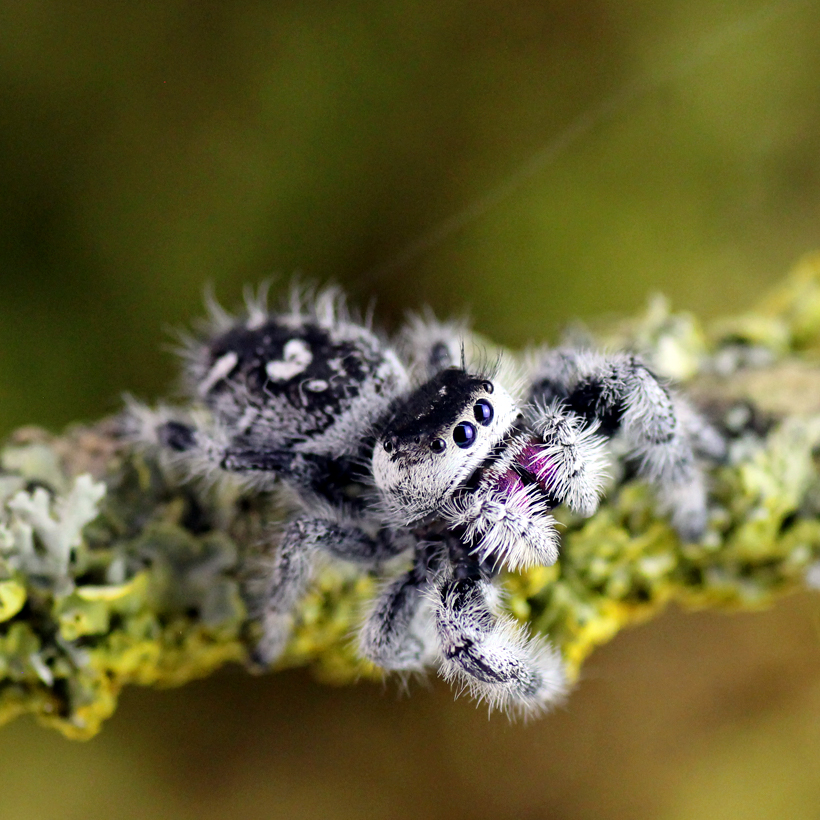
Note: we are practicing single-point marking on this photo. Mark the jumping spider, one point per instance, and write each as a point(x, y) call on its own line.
point(407, 449)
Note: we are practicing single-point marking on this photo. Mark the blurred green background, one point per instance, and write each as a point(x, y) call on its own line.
point(526, 162)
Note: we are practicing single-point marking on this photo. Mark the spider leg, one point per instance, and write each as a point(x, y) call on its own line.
point(431, 345)
point(555, 373)
point(653, 424)
point(620, 393)
point(292, 568)
point(488, 653)
point(707, 442)
point(172, 429)
point(397, 632)
point(184, 439)
point(286, 584)
point(202, 447)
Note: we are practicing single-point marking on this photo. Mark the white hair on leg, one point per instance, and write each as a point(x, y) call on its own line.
point(490, 656)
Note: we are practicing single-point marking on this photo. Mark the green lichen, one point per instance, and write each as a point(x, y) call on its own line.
point(114, 571)
point(106, 584)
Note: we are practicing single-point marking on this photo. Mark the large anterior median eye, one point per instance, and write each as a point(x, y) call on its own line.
point(483, 411)
point(464, 434)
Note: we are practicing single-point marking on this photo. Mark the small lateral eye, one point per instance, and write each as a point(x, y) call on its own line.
point(388, 446)
point(464, 434)
point(488, 386)
point(438, 445)
point(483, 412)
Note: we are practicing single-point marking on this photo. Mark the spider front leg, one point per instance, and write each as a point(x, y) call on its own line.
point(488, 652)
point(655, 424)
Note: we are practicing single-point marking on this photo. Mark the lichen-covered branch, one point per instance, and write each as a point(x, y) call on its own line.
point(113, 570)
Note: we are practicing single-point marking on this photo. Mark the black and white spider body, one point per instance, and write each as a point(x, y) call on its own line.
point(407, 450)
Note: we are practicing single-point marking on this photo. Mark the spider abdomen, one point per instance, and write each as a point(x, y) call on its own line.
point(296, 380)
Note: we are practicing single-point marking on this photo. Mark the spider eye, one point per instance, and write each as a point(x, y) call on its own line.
point(438, 445)
point(488, 386)
point(388, 446)
point(464, 434)
point(483, 412)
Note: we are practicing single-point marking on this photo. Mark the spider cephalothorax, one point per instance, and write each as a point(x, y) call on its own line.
point(437, 438)
point(402, 455)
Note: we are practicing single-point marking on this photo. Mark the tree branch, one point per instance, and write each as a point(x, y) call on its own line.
point(113, 570)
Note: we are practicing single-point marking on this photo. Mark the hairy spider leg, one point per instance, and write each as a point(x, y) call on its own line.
point(286, 583)
point(487, 652)
point(340, 482)
point(292, 569)
point(431, 345)
point(397, 633)
point(621, 394)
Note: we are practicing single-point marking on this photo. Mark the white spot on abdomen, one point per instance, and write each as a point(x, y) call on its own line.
point(247, 419)
point(316, 385)
point(296, 357)
point(221, 368)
